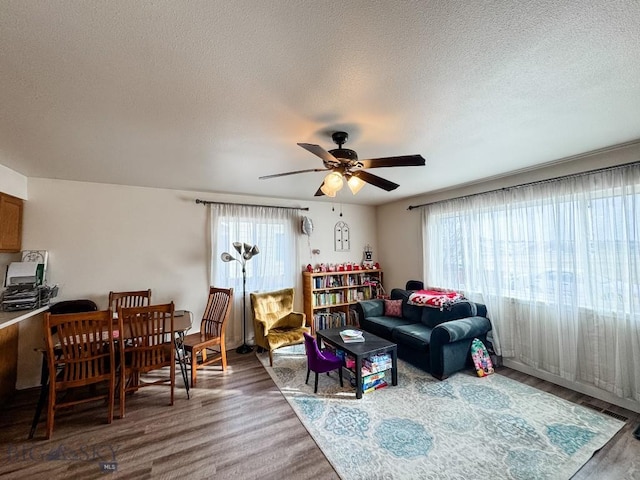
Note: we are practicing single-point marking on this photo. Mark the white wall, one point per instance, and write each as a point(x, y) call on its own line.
point(13, 183)
point(362, 226)
point(107, 237)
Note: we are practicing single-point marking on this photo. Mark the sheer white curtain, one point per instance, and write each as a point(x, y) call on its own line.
point(558, 266)
point(274, 231)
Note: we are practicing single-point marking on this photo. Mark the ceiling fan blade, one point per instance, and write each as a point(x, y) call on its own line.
point(319, 193)
point(402, 161)
point(293, 173)
point(320, 152)
point(375, 180)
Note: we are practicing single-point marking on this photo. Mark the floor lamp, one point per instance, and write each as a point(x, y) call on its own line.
point(246, 253)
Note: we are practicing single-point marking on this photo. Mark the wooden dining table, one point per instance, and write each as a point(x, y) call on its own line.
point(182, 322)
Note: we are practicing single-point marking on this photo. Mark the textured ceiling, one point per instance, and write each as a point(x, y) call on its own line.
point(210, 95)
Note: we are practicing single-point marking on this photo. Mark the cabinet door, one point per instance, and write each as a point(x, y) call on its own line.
point(8, 362)
point(10, 223)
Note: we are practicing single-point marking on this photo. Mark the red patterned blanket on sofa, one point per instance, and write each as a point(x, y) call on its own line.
point(436, 298)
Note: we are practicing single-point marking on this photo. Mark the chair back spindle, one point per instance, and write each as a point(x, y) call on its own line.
point(140, 298)
point(216, 313)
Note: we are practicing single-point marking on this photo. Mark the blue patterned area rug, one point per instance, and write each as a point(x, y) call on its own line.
point(461, 428)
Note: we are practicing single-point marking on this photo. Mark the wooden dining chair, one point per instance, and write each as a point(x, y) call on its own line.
point(147, 342)
point(209, 342)
point(80, 352)
point(140, 298)
point(67, 306)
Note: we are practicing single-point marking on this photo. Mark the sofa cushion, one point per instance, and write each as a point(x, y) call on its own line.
point(393, 308)
point(415, 335)
point(432, 317)
point(409, 312)
point(382, 326)
point(371, 308)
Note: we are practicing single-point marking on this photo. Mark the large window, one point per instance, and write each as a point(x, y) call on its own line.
point(558, 265)
point(273, 231)
point(274, 240)
point(566, 251)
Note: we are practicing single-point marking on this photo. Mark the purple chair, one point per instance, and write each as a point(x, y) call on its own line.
point(320, 361)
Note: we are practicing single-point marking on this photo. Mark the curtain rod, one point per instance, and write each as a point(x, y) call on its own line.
point(207, 202)
point(528, 184)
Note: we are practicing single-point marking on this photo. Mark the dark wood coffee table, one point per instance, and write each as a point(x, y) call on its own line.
point(359, 350)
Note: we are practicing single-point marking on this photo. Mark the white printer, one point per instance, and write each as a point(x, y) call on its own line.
point(24, 287)
point(24, 273)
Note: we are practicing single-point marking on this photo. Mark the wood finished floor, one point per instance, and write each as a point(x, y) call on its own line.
point(236, 425)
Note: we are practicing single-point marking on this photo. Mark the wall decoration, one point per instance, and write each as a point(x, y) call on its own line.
point(307, 226)
point(341, 237)
point(367, 260)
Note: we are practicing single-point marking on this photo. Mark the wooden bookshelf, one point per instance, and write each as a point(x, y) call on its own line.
point(328, 296)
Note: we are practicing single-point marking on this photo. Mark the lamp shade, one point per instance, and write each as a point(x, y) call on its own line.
point(327, 191)
point(355, 184)
point(333, 181)
point(226, 257)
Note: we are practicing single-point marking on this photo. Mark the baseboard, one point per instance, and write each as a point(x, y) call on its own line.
point(579, 387)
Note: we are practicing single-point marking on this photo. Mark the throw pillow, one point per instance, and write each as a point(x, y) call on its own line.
point(393, 308)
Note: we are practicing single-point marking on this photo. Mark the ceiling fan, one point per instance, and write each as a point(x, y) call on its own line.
point(343, 163)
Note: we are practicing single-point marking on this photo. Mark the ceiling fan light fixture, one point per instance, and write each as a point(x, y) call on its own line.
point(355, 184)
point(327, 191)
point(343, 164)
point(332, 183)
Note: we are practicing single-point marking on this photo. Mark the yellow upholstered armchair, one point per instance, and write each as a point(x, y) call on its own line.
point(274, 322)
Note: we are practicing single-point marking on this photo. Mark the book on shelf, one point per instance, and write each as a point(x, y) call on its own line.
point(374, 386)
point(351, 336)
point(350, 362)
point(377, 362)
point(368, 380)
point(324, 320)
point(373, 377)
point(366, 375)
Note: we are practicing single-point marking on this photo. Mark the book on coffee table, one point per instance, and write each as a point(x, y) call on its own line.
point(351, 336)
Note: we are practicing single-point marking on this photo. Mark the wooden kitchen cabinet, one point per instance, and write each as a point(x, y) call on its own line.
point(8, 362)
point(10, 223)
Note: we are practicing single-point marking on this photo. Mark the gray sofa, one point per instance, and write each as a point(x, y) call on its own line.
point(437, 341)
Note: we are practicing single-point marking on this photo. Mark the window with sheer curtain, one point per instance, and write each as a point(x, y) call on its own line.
point(558, 266)
point(273, 230)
